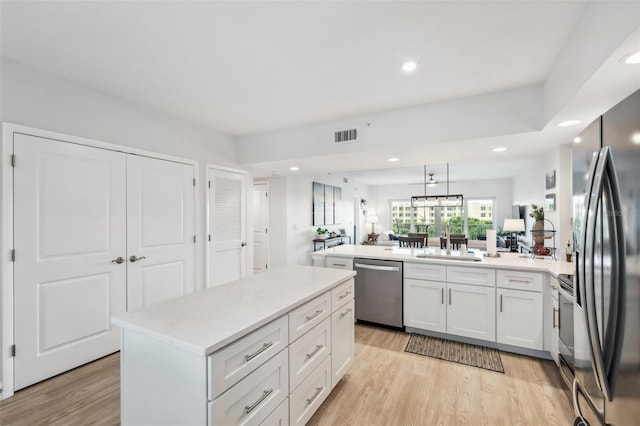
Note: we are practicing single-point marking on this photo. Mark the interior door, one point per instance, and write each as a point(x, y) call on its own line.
point(260, 227)
point(161, 230)
point(227, 225)
point(69, 227)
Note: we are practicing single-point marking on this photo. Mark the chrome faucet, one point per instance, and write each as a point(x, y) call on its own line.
point(448, 239)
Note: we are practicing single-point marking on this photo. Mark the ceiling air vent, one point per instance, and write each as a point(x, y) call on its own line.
point(346, 136)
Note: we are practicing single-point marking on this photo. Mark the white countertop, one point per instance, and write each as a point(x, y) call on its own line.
point(205, 321)
point(506, 260)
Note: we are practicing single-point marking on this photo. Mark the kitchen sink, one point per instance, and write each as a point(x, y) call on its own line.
point(449, 257)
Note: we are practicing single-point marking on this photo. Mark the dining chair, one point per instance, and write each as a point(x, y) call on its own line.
point(417, 242)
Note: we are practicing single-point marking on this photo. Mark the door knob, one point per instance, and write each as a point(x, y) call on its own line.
point(135, 259)
point(119, 260)
point(243, 244)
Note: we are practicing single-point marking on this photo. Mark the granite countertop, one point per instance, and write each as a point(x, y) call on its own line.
point(505, 261)
point(208, 320)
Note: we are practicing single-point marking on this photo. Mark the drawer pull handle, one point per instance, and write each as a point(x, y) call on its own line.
point(318, 312)
point(345, 312)
point(340, 264)
point(315, 395)
point(500, 303)
point(315, 351)
point(520, 281)
point(344, 295)
point(258, 352)
point(554, 318)
point(265, 394)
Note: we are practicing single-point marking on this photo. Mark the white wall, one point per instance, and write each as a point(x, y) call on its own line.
point(500, 189)
point(44, 101)
point(291, 220)
point(529, 187)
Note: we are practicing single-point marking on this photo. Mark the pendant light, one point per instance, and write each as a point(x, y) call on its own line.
point(455, 200)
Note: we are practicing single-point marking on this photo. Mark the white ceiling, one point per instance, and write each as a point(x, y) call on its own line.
point(247, 67)
point(250, 68)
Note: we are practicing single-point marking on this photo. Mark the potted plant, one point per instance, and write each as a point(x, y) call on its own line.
point(537, 231)
point(322, 233)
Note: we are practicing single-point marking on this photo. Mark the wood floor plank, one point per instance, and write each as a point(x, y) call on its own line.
point(385, 386)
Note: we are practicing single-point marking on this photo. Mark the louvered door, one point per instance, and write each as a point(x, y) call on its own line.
point(227, 226)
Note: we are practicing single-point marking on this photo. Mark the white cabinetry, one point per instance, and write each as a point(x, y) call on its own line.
point(424, 305)
point(277, 374)
point(471, 311)
point(342, 330)
point(339, 263)
point(450, 307)
point(552, 319)
point(519, 317)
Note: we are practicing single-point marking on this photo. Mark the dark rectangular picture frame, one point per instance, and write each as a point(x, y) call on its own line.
point(550, 180)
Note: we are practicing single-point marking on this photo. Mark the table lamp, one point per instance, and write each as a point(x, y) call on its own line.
point(513, 226)
point(372, 219)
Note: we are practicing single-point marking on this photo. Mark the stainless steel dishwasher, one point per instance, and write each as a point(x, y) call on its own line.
point(379, 291)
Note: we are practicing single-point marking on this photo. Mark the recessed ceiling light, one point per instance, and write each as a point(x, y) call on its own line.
point(632, 59)
point(568, 123)
point(500, 149)
point(393, 159)
point(577, 139)
point(294, 168)
point(635, 138)
point(409, 66)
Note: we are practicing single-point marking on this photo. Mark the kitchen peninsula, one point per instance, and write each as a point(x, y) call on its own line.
point(508, 302)
point(268, 348)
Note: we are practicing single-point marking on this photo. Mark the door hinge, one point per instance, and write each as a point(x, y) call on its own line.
point(12, 350)
point(194, 181)
point(209, 184)
point(13, 255)
point(13, 160)
point(209, 237)
point(194, 238)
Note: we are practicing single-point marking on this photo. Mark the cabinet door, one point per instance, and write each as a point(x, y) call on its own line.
point(555, 331)
point(342, 342)
point(424, 305)
point(519, 320)
point(471, 311)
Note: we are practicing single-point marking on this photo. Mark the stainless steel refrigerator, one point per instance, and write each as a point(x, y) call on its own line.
point(606, 199)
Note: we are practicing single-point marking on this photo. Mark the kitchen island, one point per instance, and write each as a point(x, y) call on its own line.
point(508, 302)
point(269, 347)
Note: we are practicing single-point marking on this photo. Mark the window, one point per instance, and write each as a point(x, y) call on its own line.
point(479, 217)
point(473, 220)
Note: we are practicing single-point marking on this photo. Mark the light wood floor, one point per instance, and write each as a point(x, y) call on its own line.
point(385, 386)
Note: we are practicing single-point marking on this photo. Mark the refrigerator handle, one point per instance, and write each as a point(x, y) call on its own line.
point(581, 252)
point(589, 304)
point(617, 305)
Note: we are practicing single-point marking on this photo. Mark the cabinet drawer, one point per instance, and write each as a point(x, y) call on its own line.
point(233, 362)
point(252, 399)
point(520, 280)
point(279, 416)
point(307, 316)
point(425, 271)
point(306, 353)
point(305, 400)
point(468, 275)
point(342, 294)
point(339, 263)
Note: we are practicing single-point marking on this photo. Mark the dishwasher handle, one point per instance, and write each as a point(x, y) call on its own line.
point(378, 268)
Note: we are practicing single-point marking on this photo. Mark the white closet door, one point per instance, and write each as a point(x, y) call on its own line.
point(227, 213)
point(260, 227)
point(69, 226)
point(160, 230)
